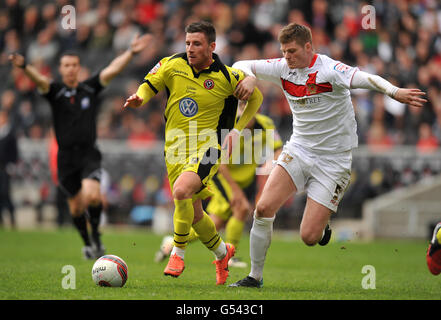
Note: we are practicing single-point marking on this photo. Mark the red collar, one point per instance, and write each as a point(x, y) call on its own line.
point(313, 60)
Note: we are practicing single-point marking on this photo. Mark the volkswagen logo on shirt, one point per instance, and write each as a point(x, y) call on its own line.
point(188, 107)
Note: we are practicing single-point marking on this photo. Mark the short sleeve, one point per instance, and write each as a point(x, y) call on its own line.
point(94, 82)
point(54, 87)
point(341, 74)
point(156, 76)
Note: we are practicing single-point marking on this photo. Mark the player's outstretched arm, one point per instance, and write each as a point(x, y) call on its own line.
point(364, 80)
point(40, 80)
point(142, 96)
point(119, 63)
point(134, 101)
point(412, 97)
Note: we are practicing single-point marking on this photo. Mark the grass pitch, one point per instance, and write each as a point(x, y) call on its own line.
point(32, 264)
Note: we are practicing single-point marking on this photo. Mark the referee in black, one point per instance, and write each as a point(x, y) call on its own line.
point(74, 107)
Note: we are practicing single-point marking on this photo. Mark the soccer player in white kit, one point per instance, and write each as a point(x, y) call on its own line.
point(317, 158)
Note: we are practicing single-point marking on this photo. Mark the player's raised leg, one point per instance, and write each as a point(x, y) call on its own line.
point(277, 190)
point(314, 227)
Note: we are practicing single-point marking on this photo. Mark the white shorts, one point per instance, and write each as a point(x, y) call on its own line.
point(324, 177)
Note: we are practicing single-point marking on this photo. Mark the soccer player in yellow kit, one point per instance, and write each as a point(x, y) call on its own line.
point(201, 105)
point(234, 186)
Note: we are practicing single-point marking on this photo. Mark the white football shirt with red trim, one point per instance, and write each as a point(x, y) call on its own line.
point(320, 101)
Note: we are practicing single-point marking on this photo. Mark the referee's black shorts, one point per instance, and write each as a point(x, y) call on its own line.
point(76, 164)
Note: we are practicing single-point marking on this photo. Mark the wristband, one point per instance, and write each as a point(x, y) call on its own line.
point(391, 91)
point(236, 130)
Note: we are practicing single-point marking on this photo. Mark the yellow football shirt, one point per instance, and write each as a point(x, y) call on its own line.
point(198, 106)
point(200, 111)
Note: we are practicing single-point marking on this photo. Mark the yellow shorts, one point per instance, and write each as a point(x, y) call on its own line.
point(205, 164)
point(219, 203)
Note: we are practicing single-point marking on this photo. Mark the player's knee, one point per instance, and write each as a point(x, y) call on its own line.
point(95, 201)
point(309, 241)
point(92, 199)
point(180, 193)
point(75, 211)
point(309, 237)
point(263, 210)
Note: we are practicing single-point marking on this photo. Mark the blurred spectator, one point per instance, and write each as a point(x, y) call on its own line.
point(140, 135)
point(15, 13)
point(405, 47)
point(146, 11)
point(427, 142)
point(43, 48)
point(8, 103)
point(413, 117)
point(243, 31)
point(8, 156)
point(378, 138)
point(102, 36)
point(124, 34)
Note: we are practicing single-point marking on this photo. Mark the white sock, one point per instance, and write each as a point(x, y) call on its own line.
point(178, 251)
point(260, 240)
point(221, 251)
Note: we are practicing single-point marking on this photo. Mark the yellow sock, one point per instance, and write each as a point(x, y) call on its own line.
point(234, 230)
point(193, 236)
point(182, 220)
point(207, 232)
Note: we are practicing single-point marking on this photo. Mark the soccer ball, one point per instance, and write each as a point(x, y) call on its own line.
point(110, 271)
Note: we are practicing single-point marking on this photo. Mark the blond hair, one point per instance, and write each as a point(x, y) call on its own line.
point(295, 32)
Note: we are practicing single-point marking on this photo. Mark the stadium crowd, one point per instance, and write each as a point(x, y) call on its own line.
point(404, 47)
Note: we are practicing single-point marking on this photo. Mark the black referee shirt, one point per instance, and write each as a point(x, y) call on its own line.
point(74, 112)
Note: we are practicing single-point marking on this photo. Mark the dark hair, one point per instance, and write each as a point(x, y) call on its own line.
point(295, 32)
point(205, 27)
point(71, 53)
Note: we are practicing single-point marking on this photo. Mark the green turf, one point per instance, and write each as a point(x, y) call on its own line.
point(32, 263)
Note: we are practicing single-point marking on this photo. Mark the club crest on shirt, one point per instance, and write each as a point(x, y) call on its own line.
point(287, 158)
point(85, 103)
point(311, 89)
point(188, 107)
point(208, 84)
